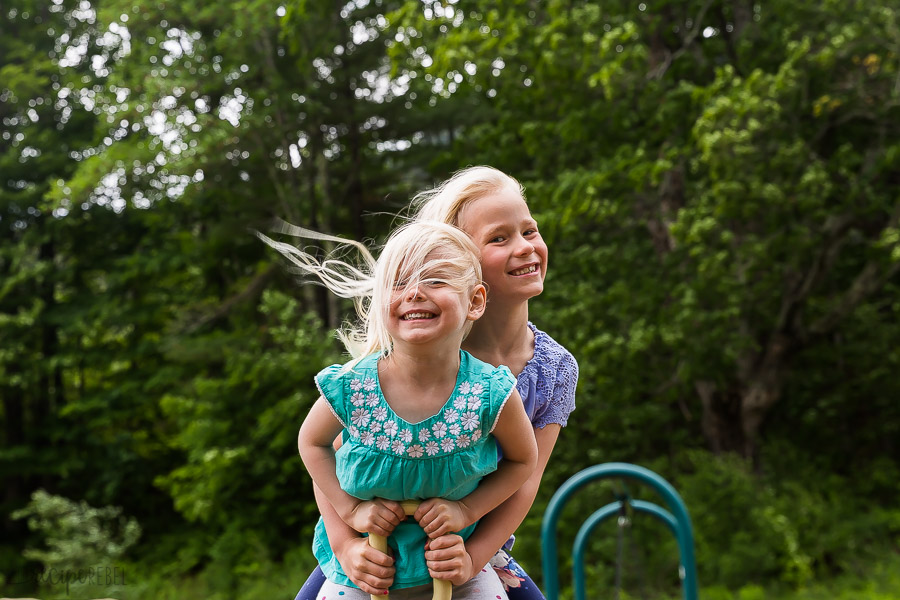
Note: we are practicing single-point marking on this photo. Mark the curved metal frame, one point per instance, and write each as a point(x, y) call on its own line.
point(678, 521)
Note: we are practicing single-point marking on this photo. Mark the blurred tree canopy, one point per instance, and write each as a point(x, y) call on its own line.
point(717, 181)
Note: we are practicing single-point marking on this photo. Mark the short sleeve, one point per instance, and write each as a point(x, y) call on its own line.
point(562, 394)
point(502, 385)
point(331, 384)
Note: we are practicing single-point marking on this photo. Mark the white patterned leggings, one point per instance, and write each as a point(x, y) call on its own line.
point(484, 586)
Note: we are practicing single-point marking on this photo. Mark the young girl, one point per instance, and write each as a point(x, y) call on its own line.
point(419, 417)
point(490, 207)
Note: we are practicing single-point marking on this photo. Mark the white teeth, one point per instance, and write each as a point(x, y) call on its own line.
point(523, 271)
point(418, 315)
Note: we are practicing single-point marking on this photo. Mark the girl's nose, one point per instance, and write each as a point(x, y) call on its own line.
point(524, 247)
point(413, 293)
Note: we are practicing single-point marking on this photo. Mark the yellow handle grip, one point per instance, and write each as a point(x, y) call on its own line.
point(442, 587)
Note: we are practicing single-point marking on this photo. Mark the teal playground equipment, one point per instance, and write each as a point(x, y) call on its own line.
point(675, 518)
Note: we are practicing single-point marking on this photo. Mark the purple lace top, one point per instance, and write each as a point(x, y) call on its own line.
point(547, 383)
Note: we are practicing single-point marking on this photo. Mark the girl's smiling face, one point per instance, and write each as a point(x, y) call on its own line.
point(428, 306)
point(513, 254)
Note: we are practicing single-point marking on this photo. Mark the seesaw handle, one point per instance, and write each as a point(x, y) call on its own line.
point(442, 587)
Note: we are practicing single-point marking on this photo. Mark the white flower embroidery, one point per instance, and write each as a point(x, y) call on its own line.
point(439, 429)
point(477, 389)
point(455, 429)
point(424, 435)
point(357, 398)
point(476, 435)
point(460, 403)
point(369, 384)
point(474, 402)
point(360, 417)
point(375, 427)
point(390, 428)
point(356, 385)
point(416, 450)
point(447, 444)
point(382, 442)
point(451, 416)
point(469, 421)
point(464, 387)
point(463, 441)
point(431, 448)
point(397, 447)
point(367, 438)
point(406, 436)
point(380, 413)
point(372, 400)
point(354, 432)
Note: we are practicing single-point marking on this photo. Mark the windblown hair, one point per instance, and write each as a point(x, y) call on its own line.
point(415, 254)
point(445, 202)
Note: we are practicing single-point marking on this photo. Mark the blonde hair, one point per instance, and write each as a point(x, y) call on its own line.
point(446, 201)
point(412, 253)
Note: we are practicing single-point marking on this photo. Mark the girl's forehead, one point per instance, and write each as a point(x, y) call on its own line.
point(505, 206)
point(442, 254)
point(443, 259)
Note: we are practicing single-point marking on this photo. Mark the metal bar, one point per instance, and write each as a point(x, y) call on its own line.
point(579, 548)
point(679, 518)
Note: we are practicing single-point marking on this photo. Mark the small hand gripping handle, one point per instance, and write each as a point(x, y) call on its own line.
point(442, 587)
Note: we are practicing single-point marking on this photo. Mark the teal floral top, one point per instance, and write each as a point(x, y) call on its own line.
point(385, 456)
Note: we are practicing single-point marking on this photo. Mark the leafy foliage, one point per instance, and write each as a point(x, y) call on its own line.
point(716, 180)
point(77, 535)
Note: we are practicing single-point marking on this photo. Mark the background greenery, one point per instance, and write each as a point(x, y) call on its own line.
point(718, 181)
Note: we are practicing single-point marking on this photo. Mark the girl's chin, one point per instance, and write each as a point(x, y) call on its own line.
point(524, 294)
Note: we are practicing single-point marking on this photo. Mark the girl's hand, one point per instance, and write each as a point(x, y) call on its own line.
point(376, 516)
point(439, 517)
point(372, 571)
point(447, 558)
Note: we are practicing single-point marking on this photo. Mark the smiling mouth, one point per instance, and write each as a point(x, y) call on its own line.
point(524, 270)
point(417, 315)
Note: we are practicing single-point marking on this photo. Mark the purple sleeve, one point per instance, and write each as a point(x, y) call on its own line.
point(561, 392)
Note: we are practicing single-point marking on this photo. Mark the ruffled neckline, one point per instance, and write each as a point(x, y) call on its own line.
point(460, 374)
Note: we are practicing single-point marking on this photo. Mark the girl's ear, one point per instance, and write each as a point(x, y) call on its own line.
point(477, 302)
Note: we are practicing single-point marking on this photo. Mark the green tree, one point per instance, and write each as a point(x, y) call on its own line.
point(212, 121)
point(720, 182)
point(39, 131)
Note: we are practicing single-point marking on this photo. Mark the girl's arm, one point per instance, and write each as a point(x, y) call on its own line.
point(314, 442)
point(513, 431)
point(449, 558)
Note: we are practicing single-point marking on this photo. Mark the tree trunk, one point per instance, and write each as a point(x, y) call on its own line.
point(733, 418)
point(755, 404)
point(721, 419)
point(49, 392)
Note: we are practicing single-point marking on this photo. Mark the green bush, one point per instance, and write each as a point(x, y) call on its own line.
point(76, 535)
point(81, 543)
point(755, 528)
